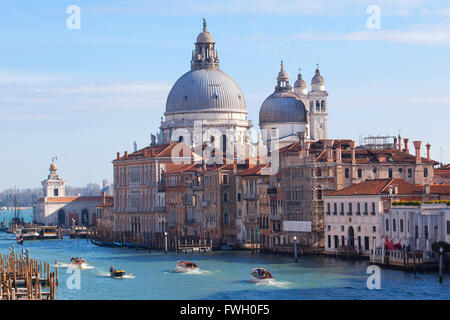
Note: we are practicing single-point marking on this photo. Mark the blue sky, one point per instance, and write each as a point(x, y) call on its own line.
point(83, 95)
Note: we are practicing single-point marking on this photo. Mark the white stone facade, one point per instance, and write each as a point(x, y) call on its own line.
point(417, 227)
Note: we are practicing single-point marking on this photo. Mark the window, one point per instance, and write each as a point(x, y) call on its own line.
point(448, 227)
point(390, 173)
point(342, 228)
point(335, 208)
point(342, 209)
point(350, 209)
point(328, 208)
point(225, 197)
point(329, 241)
point(55, 192)
point(359, 173)
point(409, 173)
point(366, 208)
point(394, 225)
point(359, 228)
point(373, 208)
point(374, 229)
point(387, 224)
point(426, 232)
point(401, 225)
point(358, 209)
point(343, 241)
point(239, 196)
point(225, 179)
point(317, 106)
point(323, 103)
point(425, 172)
point(347, 173)
point(225, 218)
point(416, 229)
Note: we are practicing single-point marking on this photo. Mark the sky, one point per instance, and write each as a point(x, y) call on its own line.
point(84, 94)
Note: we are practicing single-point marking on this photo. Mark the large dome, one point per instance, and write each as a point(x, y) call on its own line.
point(205, 90)
point(282, 107)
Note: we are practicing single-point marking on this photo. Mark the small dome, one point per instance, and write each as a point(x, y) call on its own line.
point(300, 83)
point(282, 106)
point(205, 37)
point(317, 79)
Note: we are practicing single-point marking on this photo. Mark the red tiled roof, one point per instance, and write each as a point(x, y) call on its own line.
point(255, 171)
point(381, 187)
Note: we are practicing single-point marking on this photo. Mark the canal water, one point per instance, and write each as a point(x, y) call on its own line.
point(223, 275)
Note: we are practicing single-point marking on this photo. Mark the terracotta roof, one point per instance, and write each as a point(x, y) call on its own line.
point(255, 171)
point(381, 187)
point(362, 155)
point(73, 198)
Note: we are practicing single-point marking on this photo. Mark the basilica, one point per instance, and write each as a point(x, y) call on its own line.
point(239, 203)
point(207, 94)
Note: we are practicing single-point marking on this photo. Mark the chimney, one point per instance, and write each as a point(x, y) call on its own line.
point(126, 154)
point(428, 151)
point(307, 146)
point(417, 146)
point(104, 197)
point(328, 144)
point(406, 145)
point(352, 148)
point(338, 153)
point(400, 142)
point(118, 155)
point(145, 153)
point(395, 143)
point(301, 138)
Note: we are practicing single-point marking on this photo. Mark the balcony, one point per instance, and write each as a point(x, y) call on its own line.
point(250, 196)
point(251, 219)
point(276, 217)
point(161, 187)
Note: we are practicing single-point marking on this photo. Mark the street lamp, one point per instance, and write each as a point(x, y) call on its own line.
point(165, 238)
point(295, 248)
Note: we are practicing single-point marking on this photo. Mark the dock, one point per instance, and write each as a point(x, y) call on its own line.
point(413, 261)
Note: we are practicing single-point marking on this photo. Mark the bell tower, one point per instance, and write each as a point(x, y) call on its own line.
point(318, 113)
point(53, 186)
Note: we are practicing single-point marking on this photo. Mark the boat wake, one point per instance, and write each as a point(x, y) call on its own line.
point(274, 283)
point(72, 266)
point(108, 275)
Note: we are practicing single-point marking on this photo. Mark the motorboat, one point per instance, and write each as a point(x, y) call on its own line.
point(20, 240)
point(27, 233)
point(260, 275)
point(116, 273)
point(78, 262)
point(186, 266)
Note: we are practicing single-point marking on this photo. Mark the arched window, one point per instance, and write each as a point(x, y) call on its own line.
point(390, 172)
point(317, 106)
point(323, 103)
point(359, 173)
point(409, 173)
point(347, 173)
point(180, 139)
point(425, 172)
point(225, 218)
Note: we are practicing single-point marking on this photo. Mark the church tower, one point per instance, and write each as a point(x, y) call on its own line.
point(53, 186)
point(318, 114)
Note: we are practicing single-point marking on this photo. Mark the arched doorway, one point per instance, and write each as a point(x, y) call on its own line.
point(84, 217)
point(61, 217)
point(351, 237)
